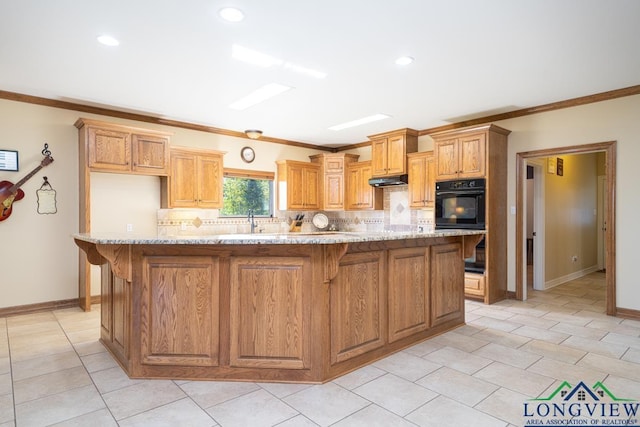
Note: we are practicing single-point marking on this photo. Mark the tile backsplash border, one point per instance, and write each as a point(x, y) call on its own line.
point(202, 222)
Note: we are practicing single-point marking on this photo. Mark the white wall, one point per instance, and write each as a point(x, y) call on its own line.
point(615, 120)
point(39, 258)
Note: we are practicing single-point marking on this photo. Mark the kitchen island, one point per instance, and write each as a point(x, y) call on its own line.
point(274, 307)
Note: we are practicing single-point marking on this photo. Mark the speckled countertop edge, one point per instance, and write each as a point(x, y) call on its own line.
point(267, 239)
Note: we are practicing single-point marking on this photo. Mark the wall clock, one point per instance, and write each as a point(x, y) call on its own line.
point(247, 154)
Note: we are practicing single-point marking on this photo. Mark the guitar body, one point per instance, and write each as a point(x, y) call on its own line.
point(7, 198)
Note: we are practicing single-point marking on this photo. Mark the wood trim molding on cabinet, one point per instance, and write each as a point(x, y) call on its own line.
point(245, 173)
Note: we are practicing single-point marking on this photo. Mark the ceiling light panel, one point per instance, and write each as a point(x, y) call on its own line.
point(404, 60)
point(108, 40)
point(360, 122)
point(231, 14)
point(260, 95)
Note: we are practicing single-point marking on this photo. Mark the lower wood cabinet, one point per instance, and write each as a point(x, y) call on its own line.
point(180, 308)
point(358, 305)
point(270, 314)
point(447, 297)
point(409, 310)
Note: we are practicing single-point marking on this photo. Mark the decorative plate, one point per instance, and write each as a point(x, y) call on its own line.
point(320, 220)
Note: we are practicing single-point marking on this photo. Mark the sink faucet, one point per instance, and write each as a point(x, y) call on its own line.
point(251, 219)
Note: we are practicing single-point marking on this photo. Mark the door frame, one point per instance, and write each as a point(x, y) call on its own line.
point(609, 148)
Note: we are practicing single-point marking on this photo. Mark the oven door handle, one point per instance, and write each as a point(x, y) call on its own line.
point(458, 193)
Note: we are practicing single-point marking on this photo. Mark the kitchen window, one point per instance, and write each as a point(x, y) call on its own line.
point(245, 190)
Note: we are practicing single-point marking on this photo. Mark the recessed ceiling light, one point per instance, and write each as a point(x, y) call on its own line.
point(108, 40)
point(260, 95)
point(404, 60)
point(231, 14)
point(359, 122)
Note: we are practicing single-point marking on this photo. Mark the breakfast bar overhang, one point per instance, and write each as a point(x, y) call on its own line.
point(291, 307)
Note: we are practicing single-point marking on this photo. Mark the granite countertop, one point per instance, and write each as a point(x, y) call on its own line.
point(268, 238)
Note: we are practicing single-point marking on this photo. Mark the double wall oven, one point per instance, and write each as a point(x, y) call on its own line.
point(461, 204)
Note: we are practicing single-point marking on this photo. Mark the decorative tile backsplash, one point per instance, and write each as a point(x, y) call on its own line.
point(396, 216)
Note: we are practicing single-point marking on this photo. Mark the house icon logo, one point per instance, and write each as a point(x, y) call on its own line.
point(581, 405)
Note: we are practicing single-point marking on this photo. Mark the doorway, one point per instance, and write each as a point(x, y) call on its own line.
point(522, 160)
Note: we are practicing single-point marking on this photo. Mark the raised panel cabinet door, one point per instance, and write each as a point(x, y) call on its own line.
point(358, 306)
point(180, 306)
point(472, 156)
point(353, 187)
point(447, 283)
point(270, 316)
point(408, 292)
point(430, 181)
point(183, 182)
point(446, 153)
point(365, 192)
point(109, 150)
point(295, 192)
point(396, 155)
point(150, 154)
point(379, 157)
point(209, 176)
point(311, 188)
point(417, 181)
point(334, 191)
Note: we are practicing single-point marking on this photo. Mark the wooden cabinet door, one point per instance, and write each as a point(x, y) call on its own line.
point(421, 168)
point(408, 292)
point(209, 182)
point(334, 191)
point(379, 157)
point(447, 283)
point(180, 306)
point(446, 153)
point(430, 181)
point(353, 187)
point(295, 193)
point(109, 150)
point(366, 192)
point(472, 156)
point(150, 154)
point(183, 180)
point(270, 312)
point(358, 311)
point(417, 181)
point(396, 155)
point(311, 187)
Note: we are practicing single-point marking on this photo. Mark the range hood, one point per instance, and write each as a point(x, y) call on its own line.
point(387, 181)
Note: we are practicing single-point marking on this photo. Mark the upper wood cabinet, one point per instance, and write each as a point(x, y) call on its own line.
point(298, 185)
point(124, 149)
point(195, 180)
point(422, 179)
point(333, 183)
point(462, 156)
point(389, 151)
point(361, 195)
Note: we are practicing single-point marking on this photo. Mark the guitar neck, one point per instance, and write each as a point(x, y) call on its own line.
point(18, 184)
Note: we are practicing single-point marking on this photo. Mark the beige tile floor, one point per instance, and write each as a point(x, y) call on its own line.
point(53, 371)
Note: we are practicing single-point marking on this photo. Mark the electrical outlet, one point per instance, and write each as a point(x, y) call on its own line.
point(183, 226)
point(574, 258)
point(129, 228)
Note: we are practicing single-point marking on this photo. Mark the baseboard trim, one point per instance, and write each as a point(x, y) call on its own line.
point(628, 313)
point(573, 276)
point(44, 306)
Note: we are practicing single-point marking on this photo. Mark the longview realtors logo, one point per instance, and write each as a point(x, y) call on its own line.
point(581, 405)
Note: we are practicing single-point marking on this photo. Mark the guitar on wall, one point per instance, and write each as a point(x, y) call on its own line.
point(10, 193)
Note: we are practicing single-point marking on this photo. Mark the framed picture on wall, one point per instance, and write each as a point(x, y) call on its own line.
point(551, 165)
point(560, 166)
point(8, 160)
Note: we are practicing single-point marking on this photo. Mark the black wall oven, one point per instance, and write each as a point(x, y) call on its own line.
point(460, 204)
